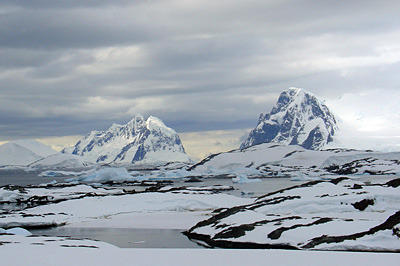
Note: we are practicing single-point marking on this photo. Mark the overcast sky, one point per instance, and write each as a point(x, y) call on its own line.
point(67, 67)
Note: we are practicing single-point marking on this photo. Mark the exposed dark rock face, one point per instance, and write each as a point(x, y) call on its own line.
point(278, 232)
point(394, 183)
point(363, 204)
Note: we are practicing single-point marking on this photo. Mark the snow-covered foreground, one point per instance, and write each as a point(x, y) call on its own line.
point(68, 253)
point(264, 160)
point(16, 198)
point(178, 209)
point(271, 159)
point(340, 214)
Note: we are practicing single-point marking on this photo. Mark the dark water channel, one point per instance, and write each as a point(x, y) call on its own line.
point(23, 178)
point(125, 237)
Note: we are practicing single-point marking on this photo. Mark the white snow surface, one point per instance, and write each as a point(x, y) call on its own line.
point(23, 152)
point(299, 210)
point(132, 210)
point(35, 146)
point(10, 197)
point(61, 161)
point(292, 160)
point(50, 251)
point(14, 154)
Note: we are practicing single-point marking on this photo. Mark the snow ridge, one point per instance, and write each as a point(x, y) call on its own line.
point(298, 118)
point(23, 152)
point(14, 154)
point(140, 140)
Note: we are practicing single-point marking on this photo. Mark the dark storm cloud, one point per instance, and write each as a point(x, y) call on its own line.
point(69, 66)
point(63, 29)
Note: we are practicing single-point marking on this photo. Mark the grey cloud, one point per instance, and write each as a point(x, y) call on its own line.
point(199, 65)
point(61, 29)
point(21, 58)
point(67, 3)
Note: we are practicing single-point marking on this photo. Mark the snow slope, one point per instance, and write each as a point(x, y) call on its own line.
point(14, 154)
point(36, 147)
point(298, 118)
point(140, 140)
point(154, 208)
point(270, 159)
point(371, 162)
point(61, 161)
point(23, 152)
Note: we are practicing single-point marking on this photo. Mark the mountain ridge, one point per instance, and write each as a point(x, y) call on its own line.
point(23, 152)
point(298, 118)
point(139, 140)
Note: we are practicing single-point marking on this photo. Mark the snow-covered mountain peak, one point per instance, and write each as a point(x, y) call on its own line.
point(299, 118)
point(22, 152)
point(145, 140)
point(14, 154)
point(294, 98)
point(155, 124)
point(35, 146)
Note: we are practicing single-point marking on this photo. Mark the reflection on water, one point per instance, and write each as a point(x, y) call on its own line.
point(125, 237)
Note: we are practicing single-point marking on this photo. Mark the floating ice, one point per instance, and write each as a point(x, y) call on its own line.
point(17, 231)
point(241, 179)
point(108, 174)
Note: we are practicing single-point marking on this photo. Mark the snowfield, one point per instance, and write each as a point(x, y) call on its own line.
point(23, 152)
point(61, 161)
point(58, 251)
point(340, 214)
point(86, 206)
point(291, 160)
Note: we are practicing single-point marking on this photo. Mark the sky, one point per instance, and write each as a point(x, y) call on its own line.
point(206, 68)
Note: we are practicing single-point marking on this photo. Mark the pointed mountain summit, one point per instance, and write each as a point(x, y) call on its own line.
point(147, 141)
point(23, 152)
point(298, 118)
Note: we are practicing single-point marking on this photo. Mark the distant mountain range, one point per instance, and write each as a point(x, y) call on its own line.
point(298, 118)
point(36, 155)
point(23, 152)
point(140, 140)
